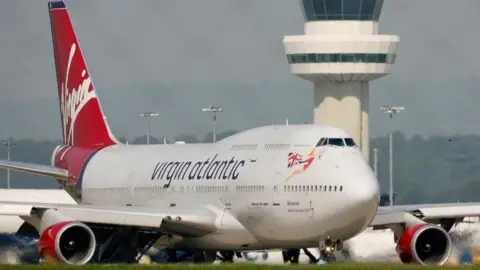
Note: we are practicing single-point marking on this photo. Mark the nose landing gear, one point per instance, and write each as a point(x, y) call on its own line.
point(327, 249)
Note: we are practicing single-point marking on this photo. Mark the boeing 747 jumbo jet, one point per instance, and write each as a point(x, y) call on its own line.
point(272, 187)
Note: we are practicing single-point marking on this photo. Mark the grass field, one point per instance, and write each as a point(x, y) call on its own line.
point(240, 267)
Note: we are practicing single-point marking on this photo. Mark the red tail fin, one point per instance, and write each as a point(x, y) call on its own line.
point(83, 123)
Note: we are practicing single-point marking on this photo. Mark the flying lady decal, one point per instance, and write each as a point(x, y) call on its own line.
point(299, 163)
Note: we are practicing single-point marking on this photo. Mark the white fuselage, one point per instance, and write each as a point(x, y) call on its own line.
point(243, 180)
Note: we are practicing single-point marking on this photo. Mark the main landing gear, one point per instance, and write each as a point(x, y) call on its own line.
point(291, 255)
point(125, 245)
point(176, 256)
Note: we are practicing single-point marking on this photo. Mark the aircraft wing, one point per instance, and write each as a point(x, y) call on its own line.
point(182, 221)
point(34, 169)
point(398, 214)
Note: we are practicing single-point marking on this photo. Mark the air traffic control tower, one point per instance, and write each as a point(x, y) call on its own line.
point(341, 52)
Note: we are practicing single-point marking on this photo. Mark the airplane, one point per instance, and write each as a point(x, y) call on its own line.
point(271, 187)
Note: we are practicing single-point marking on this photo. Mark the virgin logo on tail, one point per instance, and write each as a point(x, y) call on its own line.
point(72, 101)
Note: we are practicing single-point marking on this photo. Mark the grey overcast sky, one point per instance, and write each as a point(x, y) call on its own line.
point(177, 56)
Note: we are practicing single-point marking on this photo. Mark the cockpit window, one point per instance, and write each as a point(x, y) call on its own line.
point(323, 141)
point(349, 142)
point(336, 141)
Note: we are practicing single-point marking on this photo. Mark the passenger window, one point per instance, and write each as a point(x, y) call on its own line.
point(336, 141)
point(329, 188)
point(323, 141)
point(335, 188)
point(341, 188)
point(349, 142)
point(316, 188)
point(308, 188)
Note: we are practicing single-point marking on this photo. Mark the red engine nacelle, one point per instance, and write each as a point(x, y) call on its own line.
point(424, 244)
point(67, 242)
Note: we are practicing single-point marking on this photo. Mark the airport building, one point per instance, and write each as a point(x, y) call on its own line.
point(341, 51)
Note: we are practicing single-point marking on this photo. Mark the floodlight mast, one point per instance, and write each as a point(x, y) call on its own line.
point(214, 110)
point(9, 144)
point(391, 110)
point(148, 115)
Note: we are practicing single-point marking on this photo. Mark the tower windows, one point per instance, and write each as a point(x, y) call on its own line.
point(312, 58)
point(357, 10)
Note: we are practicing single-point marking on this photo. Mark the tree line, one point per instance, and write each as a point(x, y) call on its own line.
point(426, 170)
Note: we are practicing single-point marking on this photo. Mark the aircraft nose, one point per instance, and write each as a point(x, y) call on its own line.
point(366, 193)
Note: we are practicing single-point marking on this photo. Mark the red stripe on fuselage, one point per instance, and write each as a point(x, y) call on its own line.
point(72, 159)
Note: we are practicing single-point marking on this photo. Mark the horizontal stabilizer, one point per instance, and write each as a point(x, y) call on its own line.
point(34, 169)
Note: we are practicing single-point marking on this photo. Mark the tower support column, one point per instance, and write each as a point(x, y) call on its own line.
point(344, 105)
point(365, 145)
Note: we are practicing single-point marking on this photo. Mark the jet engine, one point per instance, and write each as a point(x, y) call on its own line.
point(424, 244)
point(67, 242)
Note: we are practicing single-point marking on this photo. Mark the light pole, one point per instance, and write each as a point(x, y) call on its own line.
point(9, 145)
point(214, 110)
point(391, 110)
point(375, 160)
point(148, 115)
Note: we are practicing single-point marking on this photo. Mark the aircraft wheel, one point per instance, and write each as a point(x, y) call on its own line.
point(145, 259)
point(210, 256)
point(327, 257)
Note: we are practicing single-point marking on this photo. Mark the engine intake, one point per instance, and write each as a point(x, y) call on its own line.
point(424, 244)
point(67, 242)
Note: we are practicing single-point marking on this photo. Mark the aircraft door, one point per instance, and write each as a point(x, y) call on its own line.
point(312, 210)
point(130, 183)
point(130, 189)
point(276, 197)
